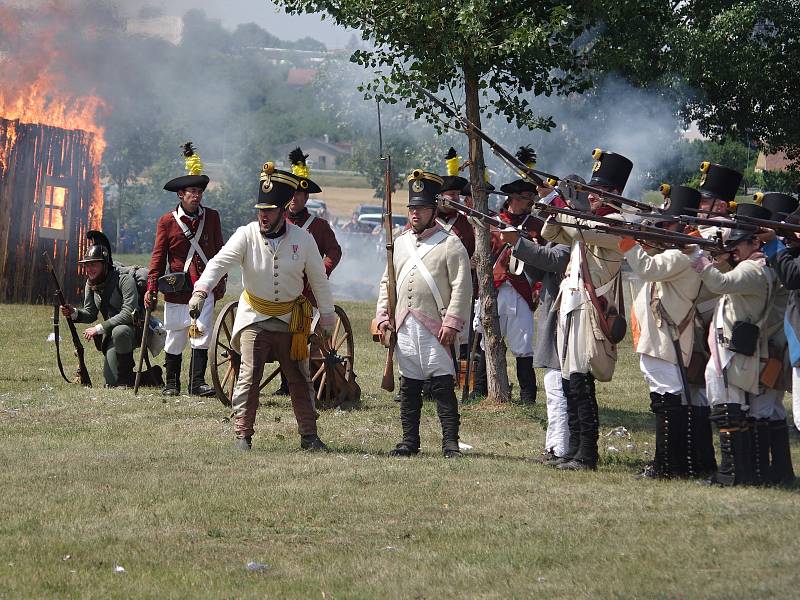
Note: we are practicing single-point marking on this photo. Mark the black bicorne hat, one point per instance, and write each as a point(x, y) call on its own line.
point(100, 248)
point(610, 170)
point(719, 182)
point(453, 182)
point(518, 186)
point(776, 203)
point(275, 188)
point(423, 187)
point(680, 199)
point(193, 167)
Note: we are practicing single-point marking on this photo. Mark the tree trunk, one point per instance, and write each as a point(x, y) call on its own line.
point(496, 374)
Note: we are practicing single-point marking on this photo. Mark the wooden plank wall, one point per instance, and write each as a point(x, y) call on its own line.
point(42, 153)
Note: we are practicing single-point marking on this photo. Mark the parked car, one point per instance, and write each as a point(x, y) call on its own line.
point(363, 209)
point(317, 208)
point(376, 219)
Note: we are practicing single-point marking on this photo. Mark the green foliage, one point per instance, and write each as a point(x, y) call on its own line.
point(787, 182)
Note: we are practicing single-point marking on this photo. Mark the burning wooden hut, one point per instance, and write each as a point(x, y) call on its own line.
point(49, 197)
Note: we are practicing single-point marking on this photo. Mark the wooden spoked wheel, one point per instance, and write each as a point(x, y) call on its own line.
point(330, 364)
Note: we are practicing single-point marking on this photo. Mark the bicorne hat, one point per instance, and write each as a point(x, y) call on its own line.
point(194, 168)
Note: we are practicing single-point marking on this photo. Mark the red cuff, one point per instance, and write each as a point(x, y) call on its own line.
point(453, 322)
point(329, 266)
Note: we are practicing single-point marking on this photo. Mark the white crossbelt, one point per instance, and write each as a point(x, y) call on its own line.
point(305, 225)
point(415, 262)
point(191, 238)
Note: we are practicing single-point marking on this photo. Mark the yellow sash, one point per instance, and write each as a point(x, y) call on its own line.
point(299, 324)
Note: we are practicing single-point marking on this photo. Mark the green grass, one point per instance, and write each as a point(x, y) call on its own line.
point(107, 478)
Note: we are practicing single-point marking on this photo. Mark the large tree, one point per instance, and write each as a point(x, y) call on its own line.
point(487, 53)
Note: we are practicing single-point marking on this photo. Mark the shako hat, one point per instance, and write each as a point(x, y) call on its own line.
point(300, 170)
point(194, 168)
point(679, 199)
point(610, 169)
point(275, 187)
point(747, 210)
point(423, 187)
point(452, 181)
point(100, 248)
point(719, 182)
point(776, 203)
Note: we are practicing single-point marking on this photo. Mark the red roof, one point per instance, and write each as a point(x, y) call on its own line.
point(301, 77)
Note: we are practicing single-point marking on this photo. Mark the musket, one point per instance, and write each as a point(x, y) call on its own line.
point(482, 216)
point(57, 336)
point(143, 348)
point(533, 175)
point(665, 237)
point(777, 226)
point(390, 338)
point(83, 372)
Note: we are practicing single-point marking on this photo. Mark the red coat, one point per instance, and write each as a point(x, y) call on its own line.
point(328, 247)
point(533, 225)
point(462, 228)
point(172, 245)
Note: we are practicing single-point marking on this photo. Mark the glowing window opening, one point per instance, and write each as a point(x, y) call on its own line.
point(54, 217)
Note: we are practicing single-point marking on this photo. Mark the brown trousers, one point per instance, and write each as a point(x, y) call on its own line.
point(260, 345)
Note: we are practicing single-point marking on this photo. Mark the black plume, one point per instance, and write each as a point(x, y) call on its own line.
point(451, 153)
point(526, 154)
point(297, 156)
point(188, 149)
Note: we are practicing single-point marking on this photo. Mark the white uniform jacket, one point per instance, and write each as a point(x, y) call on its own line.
point(446, 260)
point(744, 298)
point(669, 278)
point(275, 276)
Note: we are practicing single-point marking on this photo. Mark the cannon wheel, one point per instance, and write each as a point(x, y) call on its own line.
point(331, 365)
point(331, 361)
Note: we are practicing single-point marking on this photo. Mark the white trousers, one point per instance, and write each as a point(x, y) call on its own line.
point(767, 405)
point(662, 376)
point(557, 437)
point(177, 321)
point(516, 321)
point(419, 354)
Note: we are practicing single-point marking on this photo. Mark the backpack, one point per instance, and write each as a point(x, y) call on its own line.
point(139, 275)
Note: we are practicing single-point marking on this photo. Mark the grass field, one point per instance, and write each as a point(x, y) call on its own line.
point(97, 479)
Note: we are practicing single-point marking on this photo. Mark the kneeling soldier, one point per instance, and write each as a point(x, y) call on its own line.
point(432, 272)
point(115, 297)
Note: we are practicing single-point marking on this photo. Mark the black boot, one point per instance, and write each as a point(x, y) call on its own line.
point(526, 377)
point(582, 386)
point(172, 366)
point(283, 389)
point(125, 370)
point(410, 412)
point(780, 471)
point(573, 424)
point(660, 466)
point(677, 415)
point(197, 381)
point(443, 391)
point(735, 467)
point(480, 383)
point(704, 462)
point(759, 435)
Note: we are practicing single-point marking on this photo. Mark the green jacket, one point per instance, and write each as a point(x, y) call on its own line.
point(116, 301)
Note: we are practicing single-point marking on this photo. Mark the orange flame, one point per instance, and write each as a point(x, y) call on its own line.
point(34, 91)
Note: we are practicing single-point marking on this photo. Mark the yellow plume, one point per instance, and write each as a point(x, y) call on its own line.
point(732, 206)
point(485, 175)
point(300, 170)
point(452, 160)
point(194, 165)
